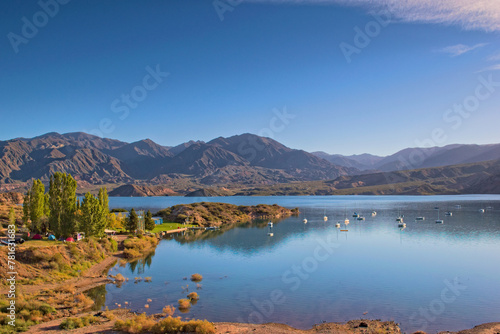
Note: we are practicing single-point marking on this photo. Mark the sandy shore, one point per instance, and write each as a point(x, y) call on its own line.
point(351, 327)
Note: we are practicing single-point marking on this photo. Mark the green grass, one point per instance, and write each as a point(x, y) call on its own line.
point(170, 226)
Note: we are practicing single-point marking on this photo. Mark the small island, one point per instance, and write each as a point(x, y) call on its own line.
point(207, 214)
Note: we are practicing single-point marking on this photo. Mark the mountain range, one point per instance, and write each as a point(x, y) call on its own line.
point(415, 158)
point(242, 161)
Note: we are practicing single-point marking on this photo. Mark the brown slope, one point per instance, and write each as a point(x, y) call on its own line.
point(268, 153)
point(134, 190)
point(464, 178)
point(200, 160)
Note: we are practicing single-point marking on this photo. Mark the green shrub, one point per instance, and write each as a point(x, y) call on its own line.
point(114, 245)
point(72, 323)
point(131, 253)
point(176, 325)
point(138, 324)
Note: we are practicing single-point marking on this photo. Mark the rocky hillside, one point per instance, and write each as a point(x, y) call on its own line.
point(219, 214)
point(11, 198)
point(414, 158)
point(133, 190)
point(206, 192)
point(243, 159)
point(474, 178)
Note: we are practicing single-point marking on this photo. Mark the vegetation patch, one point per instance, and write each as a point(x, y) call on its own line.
point(57, 262)
point(136, 247)
point(72, 323)
point(196, 278)
point(218, 214)
point(184, 304)
point(28, 313)
point(193, 296)
point(143, 323)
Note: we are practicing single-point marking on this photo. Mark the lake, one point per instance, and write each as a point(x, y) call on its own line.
point(426, 276)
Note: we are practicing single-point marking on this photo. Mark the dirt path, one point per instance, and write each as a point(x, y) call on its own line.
point(351, 327)
point(53, 326)
point(93, 276)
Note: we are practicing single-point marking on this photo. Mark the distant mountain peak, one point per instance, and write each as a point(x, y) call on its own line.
point(243, 159)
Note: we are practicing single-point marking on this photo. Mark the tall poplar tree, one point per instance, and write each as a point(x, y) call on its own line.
point(90, 215)
point(102, 223)
point(149, 223)
point(62, 204)
point(132, 221)
point(12, 216)
point(34, 207)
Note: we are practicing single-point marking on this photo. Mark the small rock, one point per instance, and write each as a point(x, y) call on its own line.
point(363, 324)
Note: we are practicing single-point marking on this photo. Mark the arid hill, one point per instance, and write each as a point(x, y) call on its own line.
point(133, 190)
point(218, 214)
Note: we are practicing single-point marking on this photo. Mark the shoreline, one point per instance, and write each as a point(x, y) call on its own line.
point(358, 326)
point(95, 277)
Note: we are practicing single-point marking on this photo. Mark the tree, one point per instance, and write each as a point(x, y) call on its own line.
point(26, 209)
point(62, 204)
point(103, 220)
point(34, 207)
point(12, 216)
point(132, 221)
point(90, 214)
point(116, 221)
point(46, 208)
point(94, 213)
point(149, 223)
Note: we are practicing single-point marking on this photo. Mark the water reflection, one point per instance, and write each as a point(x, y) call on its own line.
point(377, 267)
point(138, 266)
point(98, 295)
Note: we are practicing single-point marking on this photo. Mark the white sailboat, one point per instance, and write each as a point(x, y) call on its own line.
point(400, 217)
point(439, 221)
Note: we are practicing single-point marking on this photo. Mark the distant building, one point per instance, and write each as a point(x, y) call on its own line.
point(158, 220)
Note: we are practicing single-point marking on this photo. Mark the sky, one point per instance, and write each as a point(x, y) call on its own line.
point(345, 77)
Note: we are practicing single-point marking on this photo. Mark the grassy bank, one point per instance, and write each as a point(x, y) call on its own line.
point(41, 261)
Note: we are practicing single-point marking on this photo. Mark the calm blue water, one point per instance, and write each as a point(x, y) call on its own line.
point(427, 276)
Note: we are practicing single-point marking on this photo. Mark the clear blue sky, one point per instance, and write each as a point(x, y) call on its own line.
point(230, 76)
